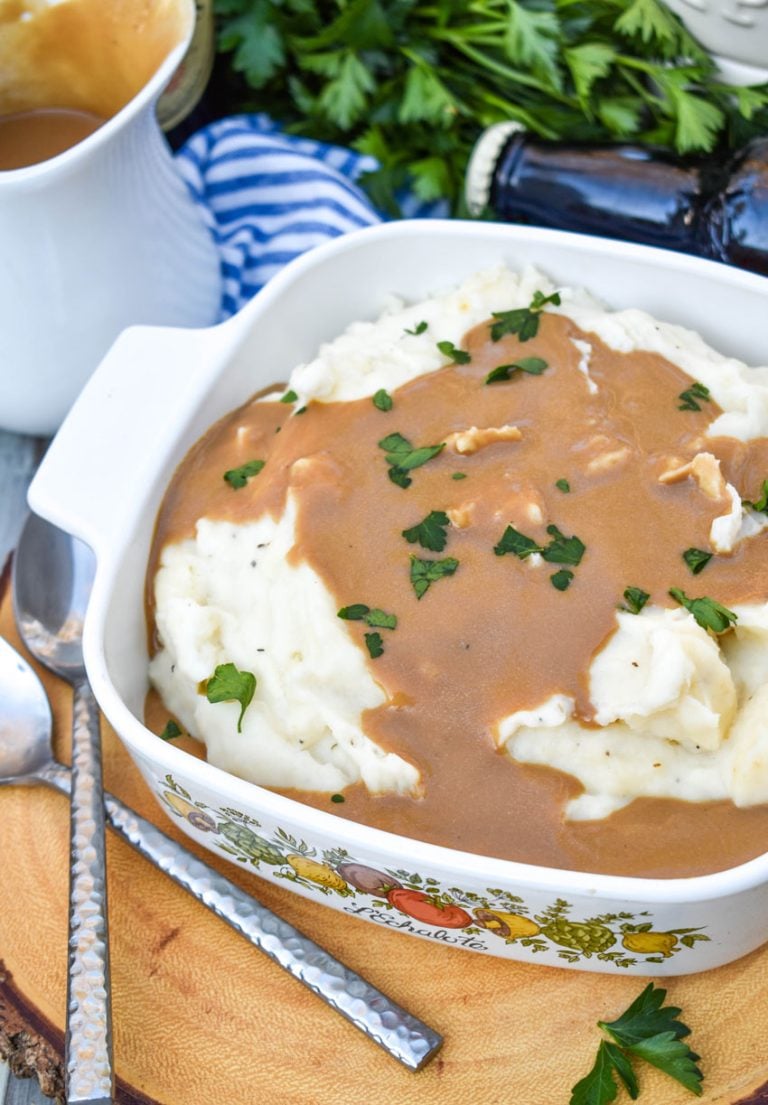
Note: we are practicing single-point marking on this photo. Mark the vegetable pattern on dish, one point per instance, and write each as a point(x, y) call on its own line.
point(405, 899)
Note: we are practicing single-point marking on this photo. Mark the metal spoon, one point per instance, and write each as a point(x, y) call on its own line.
point(52, 576)
point(26, 757)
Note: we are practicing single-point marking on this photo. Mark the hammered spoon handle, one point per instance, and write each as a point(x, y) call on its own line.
point(398, 1032)
point(88, 1046)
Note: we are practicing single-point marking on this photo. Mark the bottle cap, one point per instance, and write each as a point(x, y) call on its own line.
point(482, 164)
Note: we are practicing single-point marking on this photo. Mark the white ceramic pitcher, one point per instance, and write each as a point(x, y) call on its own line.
point(105, 234)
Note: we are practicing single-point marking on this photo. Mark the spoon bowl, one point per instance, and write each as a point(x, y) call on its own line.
point(52, 579)
point(26, 722)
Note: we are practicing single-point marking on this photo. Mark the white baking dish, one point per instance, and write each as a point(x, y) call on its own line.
point(159, 389)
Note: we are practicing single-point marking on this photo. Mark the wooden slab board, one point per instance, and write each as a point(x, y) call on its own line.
point(200, 1017)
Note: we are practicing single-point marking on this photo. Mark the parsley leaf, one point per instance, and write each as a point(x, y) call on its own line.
point(697, 559)
point(171, 731)
point(645, 1017)
point(426, 572)
point(359, 612)
point(382, 400)
point(650, 1030)
point(289, 397)
point(691, 396)
point(379, 619)
point(338, 798)
point(227, 684)
point(588, 63)
point(708, 613)
point(354, 613)
point(458, 475)
point(430, 533)
point(399, 476)
point(563, 485)
point(646, 1030)
point(761, 504)
point(374, 644)
point(636, 600)
point(458, 356)
point(623, 1068)
point(562, 580)
point(673, 1057)
point(599, 1086)
point(562, 549)
point(513, 541)
point(523, 321)
point(238, 477)
point(402, 457)
point(419, 328)
point(534, 366)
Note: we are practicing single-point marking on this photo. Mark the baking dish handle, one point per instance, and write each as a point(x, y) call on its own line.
point(108, 445)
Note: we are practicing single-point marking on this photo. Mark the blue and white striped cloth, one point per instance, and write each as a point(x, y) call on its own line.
point(269, 196)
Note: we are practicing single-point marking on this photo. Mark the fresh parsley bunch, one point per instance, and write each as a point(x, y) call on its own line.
point(414, 83)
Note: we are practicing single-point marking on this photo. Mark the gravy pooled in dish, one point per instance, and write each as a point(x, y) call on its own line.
point(497, 566)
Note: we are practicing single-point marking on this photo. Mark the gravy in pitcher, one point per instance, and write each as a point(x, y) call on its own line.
point(27, 137)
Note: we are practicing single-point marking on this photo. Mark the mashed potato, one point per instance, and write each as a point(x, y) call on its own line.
point(679, 712)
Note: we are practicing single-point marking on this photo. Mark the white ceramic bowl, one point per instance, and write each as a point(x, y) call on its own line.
point(152, 397)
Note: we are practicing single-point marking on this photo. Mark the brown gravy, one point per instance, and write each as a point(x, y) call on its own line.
point(27, 137)
point(497, 636)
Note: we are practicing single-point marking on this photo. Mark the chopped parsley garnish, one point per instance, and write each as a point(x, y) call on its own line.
point(419, 328)
point(534, 366)
point(227, 684)
point(690, 397)
point(402, 457)
point(697, 559)
point(377, 619)
point(426, 572)
point(171, 731)
point(338, 798)
point(761, 504)
point(430, 533)
point(562, 579)
point(523, 321)
point(459, 476)
point(647, 1030)
point(635, 599)
point(354, 613)
point(513, 541)
point(238, 477)
point(399, 476)
point(458, 356)
point(563, 485)
point(289, 397)
point(374, 644)
point(708, 613)
point(562, 549)
point(382, 400)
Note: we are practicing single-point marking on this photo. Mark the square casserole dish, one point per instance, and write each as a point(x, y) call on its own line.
point(103, 478)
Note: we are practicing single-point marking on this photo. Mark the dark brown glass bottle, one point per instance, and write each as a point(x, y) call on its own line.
point(636, 193)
